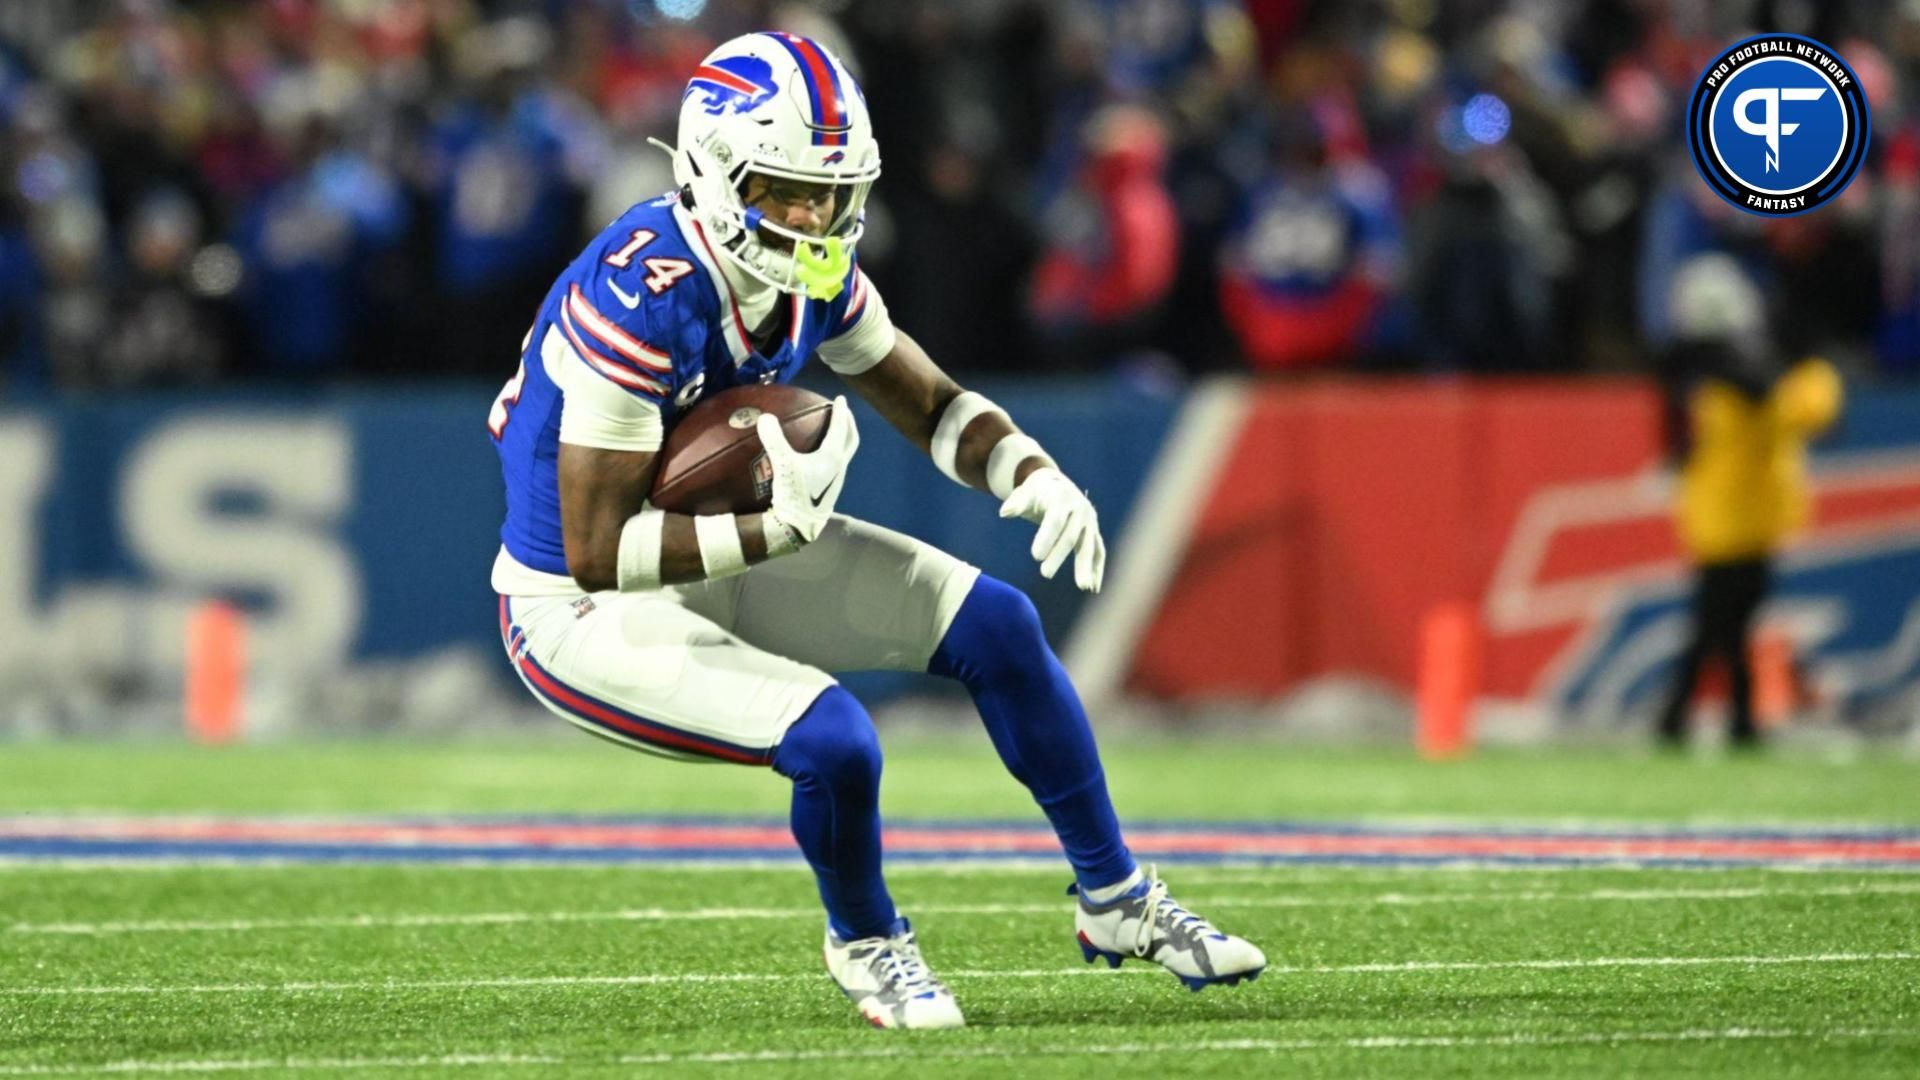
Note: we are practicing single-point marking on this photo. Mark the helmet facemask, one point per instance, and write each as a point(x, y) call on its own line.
point(815, 266)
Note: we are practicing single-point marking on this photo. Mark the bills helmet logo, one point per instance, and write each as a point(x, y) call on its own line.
point(834, 158)
point(732, 84)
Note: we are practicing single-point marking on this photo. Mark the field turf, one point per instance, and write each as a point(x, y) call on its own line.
point(359, 969)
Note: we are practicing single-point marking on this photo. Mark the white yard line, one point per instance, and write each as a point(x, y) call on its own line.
point(958, 866)
point(446, 1061)
point(770, 1057)
point(535, 982)
point(514, 918)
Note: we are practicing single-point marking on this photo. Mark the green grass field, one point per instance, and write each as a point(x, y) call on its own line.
point(671, 970)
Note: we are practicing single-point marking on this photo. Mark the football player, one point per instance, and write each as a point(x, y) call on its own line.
point(711, 637)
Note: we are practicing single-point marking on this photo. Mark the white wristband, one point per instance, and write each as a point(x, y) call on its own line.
point(720, 551)
point(959, 412)
point(637, 568)
point(780, 537)
point(1004, 463)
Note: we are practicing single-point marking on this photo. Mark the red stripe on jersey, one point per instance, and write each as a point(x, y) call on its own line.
point(615, 338)
point(739, 324)
point(620, 372)
point(859, 298)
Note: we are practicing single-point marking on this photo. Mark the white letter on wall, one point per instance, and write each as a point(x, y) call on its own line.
point(301, 473)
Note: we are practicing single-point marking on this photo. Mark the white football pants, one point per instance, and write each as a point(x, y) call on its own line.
point(717, 670)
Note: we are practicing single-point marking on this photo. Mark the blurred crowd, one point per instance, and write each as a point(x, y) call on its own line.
point(211, 190)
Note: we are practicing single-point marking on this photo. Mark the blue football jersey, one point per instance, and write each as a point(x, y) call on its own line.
point(645, 307)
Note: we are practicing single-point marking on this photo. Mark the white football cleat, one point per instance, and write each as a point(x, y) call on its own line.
point(889, 983)
point(1153, 926)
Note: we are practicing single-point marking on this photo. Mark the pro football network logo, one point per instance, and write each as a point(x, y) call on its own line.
point(1778, 125)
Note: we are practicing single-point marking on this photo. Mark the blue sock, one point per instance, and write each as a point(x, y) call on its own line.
point(998, 650)
point(832, 755)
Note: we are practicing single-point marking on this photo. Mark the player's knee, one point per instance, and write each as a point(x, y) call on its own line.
point(1012, 619)
point(996, 637)
point(833, 742)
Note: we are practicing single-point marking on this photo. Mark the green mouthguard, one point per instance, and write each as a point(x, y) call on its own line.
point(822, 267)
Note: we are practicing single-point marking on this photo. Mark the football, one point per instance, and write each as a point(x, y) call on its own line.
point(713, 462)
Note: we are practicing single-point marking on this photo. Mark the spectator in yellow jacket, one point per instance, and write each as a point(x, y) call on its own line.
point(1743, 429)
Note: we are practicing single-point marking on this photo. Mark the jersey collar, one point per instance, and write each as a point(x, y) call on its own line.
point(733, 327)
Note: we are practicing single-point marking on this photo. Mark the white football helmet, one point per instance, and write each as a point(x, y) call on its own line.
point(783, 106)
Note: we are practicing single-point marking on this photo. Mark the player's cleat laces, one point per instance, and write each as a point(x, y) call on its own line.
point(1148, 924)
point(888, 980)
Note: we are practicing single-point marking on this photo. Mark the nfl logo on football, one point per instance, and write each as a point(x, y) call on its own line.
point(762, 478)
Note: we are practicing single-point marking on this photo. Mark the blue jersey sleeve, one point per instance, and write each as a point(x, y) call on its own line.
point(626, 345)
point(845, 310)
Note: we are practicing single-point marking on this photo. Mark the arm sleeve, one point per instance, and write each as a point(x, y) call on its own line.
point(617, 347)
point(595, 411)
point(865, 334)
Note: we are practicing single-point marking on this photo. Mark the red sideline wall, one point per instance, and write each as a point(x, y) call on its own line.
point(1346, 510)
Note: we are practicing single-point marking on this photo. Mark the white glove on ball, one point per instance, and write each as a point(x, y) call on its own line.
point(1068, 525)
point(805, 486)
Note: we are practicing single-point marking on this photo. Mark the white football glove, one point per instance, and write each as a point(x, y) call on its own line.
point(805, 486)
point(1068, 525)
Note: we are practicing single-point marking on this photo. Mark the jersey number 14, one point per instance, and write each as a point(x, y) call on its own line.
point(661, 272)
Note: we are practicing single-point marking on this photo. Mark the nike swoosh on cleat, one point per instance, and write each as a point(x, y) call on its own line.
point(632, 300)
